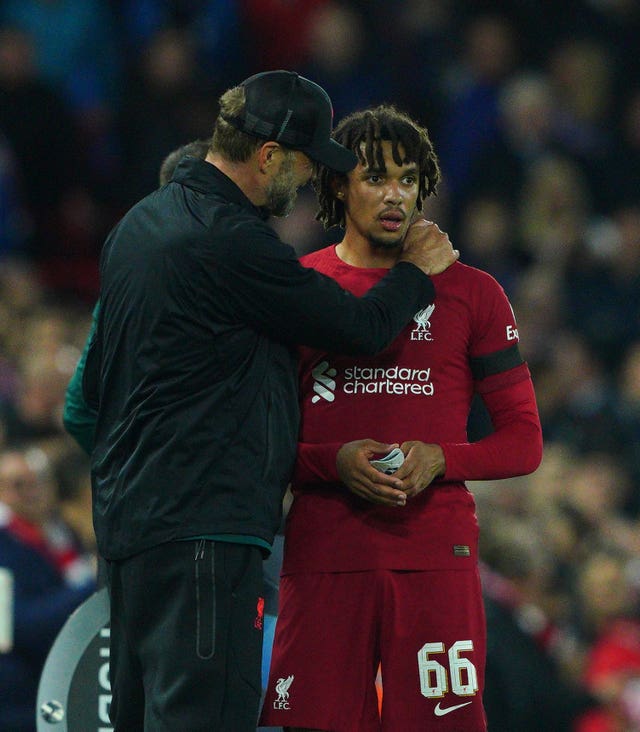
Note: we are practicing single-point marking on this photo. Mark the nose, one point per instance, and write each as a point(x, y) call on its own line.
point(392, 193)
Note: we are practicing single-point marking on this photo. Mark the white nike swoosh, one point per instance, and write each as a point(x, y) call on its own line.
point(439, 712)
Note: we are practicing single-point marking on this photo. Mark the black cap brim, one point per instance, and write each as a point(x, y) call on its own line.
point(333, 155)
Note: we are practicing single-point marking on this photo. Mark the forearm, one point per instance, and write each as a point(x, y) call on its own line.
point(515, 446)
point(316, 463)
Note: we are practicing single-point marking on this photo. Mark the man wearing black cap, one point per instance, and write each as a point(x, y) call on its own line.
point(193, 376)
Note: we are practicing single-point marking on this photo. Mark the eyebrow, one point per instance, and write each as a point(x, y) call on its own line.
point(376, 170)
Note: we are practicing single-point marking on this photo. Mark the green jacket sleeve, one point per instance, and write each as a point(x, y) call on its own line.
point(78, 418)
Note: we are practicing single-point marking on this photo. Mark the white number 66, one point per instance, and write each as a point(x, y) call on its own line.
point(434, 682)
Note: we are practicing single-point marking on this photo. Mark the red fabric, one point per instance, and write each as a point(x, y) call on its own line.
point(343, 611)
point(62, 556)
point(617, 651)
point(420, 388)
point(614, 659)
point(515, 446)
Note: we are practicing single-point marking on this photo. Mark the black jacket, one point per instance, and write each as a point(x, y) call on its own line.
point(192, 367)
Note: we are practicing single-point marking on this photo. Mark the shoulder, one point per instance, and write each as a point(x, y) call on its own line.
point(316, 258)
point(469, 280)
point(231, 219)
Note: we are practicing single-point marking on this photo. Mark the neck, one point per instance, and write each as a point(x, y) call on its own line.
point(245, 175)
point(362, 253)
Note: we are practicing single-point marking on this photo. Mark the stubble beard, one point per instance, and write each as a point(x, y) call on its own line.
point(387, 245)
point(282, 192)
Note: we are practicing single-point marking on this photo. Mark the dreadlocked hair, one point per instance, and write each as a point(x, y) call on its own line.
point(363, 132)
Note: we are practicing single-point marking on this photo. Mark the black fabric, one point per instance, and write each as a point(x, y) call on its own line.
point(495, 363)
point(524, 688)
point(190, 614)
point(201, 305)
point(288, 108)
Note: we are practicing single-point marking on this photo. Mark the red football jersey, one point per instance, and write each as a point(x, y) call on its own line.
point(419, 388)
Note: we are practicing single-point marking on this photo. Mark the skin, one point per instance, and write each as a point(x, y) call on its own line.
point(381, 216)
point(270, 178)
point(27, 495)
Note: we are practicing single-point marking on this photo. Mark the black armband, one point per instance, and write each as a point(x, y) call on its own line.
point(495, 363)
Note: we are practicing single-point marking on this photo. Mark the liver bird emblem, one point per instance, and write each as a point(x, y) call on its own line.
point(422, 317)
point(282, 687)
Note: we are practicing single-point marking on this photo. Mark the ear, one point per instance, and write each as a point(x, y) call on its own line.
point(267, 155)
point(339, 188)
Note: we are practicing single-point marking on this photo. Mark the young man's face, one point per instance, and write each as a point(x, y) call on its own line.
point(379, 204)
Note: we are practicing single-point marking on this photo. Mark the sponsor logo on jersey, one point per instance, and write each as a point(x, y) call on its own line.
point(393, 380)
point(422, 331)
point(282, 690)
point(441, 711)
point(324, 385)
point(512, 333)
point(512, 330)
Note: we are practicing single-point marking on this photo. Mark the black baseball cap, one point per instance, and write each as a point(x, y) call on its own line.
point(285, 107)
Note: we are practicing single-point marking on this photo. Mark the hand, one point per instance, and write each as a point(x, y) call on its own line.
point(422, 464)
point(428, 248)
point(364, 480)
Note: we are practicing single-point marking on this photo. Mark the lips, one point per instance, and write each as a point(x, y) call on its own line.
point(391, 220)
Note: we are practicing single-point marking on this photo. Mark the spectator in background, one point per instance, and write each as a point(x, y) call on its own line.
point(539, 301)
point(166, 100)
point(622, 181)
point(488, 236)
point(530, 682)
point(554, 211)
point(52, 575)
point(610, 622)
point(42, 362)
point(339, 42)
point(13, 218)
point(77, 51)
point(277, 33)
point(628, 408)
point(581, 74)
point(524, 133)
point(36, 120)
point(471, 119)
point(603, 285)
point(214, 25)
point(425, 37)
point(579, 407)
point(72, 469)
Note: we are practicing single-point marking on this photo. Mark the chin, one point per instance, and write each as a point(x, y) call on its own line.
point(386, 244)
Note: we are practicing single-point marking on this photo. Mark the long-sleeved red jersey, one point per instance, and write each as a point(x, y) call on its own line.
point(419, 388)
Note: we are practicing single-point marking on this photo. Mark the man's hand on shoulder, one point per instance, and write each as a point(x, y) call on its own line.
point(428, 247)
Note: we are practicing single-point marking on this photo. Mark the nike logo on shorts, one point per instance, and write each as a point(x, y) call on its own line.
point(439, 712)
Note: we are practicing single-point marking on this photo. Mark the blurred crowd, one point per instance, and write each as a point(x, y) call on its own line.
point(535, 113)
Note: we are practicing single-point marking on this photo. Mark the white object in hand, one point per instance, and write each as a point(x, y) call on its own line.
point(390, 462)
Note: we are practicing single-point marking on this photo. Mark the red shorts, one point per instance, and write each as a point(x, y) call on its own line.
point(425, 628)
